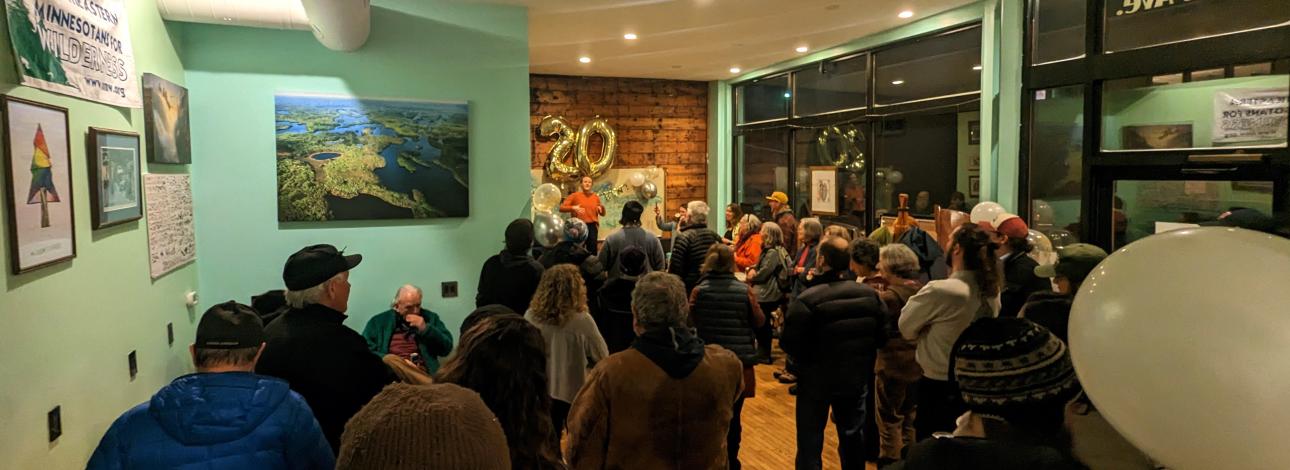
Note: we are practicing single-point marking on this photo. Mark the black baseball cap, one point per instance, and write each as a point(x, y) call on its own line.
point(230, 325)
point(314, 264)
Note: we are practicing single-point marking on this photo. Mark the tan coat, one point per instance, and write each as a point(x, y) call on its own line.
point(658, 422)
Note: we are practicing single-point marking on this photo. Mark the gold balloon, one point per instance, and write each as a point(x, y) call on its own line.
point(609, 147)
point(556, 168)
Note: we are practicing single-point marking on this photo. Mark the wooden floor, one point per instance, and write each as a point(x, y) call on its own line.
point(769, 437)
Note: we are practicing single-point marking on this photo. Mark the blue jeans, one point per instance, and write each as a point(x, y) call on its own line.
point(812, 415)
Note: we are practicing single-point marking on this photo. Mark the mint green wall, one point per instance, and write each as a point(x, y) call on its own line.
point(1000, 98)
point(65, 330)
point(424, 50)
point(1182, 103)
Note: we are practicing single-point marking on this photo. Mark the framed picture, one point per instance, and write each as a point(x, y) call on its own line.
point(974, 186)
point(116, 194)
point(824, 190)
point(165, 118)
point(1163, 136)
point(38, 175)
point(974, 132)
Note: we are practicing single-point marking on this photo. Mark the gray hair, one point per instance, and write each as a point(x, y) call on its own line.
point(812, 229)
point(771, 235)
point(751, 223)
point(659, 301)
point(697, 211)
point(405, 288)
point(898, 259)
point(310, 296)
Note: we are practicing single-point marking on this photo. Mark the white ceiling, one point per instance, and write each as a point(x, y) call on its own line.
point(699, 39)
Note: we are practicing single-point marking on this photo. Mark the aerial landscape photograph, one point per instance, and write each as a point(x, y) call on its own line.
point(347, 158)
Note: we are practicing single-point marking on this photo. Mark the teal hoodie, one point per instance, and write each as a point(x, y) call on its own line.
point(434, 343)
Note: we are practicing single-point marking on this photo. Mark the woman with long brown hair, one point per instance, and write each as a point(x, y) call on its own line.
point(573, 343)
point(502, 359)
point(941, 310)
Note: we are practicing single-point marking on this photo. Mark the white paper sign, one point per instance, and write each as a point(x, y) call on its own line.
point(171, 243)
point(75, 47)
point(1250, 114)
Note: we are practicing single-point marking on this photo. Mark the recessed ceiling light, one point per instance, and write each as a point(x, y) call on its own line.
point(734, 69)
point(584, 59)
point(788, 95)
point(803, 48)
point(897, 82)
point(228, 18)
point(629, 36)
point(906, 14)
point(976, 67)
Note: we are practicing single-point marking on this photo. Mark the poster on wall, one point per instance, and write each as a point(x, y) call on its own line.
point(1251, 115)
point(165, 117)
point(171, 243)
point(38, 174)
point(75, 47)
point(347, 158)
point(615, 190)
point(824, 190)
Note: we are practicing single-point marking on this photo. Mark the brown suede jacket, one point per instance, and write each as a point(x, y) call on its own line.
point(658, 421)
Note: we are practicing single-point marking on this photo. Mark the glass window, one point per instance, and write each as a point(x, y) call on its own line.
point(830, 86)
point(1059, 30)
point(1145, 207)
point(933, 158)
point(1056, 162)
point(1133, 24)
point(928, 68)
point(763, 99)
point(848, 185)
point(1205, 111)
point(762, 167)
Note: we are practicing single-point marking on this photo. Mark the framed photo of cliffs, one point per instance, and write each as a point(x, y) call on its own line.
point(37, 170)
point(165, 118)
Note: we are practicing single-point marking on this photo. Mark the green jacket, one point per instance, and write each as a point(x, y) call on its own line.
point(434, 343)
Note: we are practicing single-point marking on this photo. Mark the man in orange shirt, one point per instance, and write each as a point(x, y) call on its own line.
point(585, 205)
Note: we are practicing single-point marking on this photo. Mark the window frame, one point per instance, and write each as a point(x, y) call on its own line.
point(1097, 67)
point(867, 118)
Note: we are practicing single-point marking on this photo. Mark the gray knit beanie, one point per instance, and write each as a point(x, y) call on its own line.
point(422, 427)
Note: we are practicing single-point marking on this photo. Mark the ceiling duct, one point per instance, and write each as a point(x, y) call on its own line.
point(341, 25)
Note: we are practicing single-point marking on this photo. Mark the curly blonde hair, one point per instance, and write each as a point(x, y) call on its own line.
point(560, 294)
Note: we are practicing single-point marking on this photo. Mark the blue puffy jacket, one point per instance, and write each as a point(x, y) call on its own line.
point(229, 420)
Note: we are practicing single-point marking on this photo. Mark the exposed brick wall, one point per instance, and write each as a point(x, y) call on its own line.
point(659, 123)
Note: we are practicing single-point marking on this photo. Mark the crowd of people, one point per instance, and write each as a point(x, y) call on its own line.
point(637, 358)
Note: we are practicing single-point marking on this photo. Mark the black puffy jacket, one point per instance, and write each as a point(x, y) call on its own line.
point(722, 312)
point(833, 331)
point(688, 252)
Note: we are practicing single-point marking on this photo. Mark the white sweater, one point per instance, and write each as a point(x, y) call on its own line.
point(937, 314)
point(572, 349)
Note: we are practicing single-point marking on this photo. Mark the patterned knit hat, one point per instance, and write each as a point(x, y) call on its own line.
point(424, 426)
point(1009, 366)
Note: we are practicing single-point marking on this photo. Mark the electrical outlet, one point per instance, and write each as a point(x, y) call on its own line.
point(170, 334)
point(134, 364)
point(449, 289)
point(55, 423)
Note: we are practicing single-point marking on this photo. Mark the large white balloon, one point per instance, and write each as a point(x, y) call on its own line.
point(546, 197)
point(1043, 252)
point(986, 212)
point(1182, 340)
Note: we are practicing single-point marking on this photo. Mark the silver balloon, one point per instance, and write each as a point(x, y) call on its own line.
point(648, 190)
point(548, 228)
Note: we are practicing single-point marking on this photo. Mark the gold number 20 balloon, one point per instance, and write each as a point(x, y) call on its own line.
point(557, 169)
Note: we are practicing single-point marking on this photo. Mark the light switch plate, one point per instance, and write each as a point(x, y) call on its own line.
point(134, 364)
point(170, 334)
point(449, 289)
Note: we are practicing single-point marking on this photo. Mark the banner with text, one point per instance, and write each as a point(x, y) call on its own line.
point(75, 47)
point(1251, 115)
